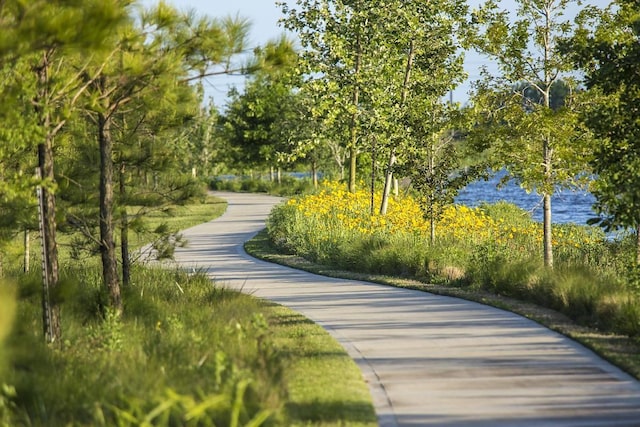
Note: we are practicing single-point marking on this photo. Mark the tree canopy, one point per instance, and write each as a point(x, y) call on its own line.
point(607, 49)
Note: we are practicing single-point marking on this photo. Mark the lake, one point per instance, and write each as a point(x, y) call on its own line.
point(566, 206)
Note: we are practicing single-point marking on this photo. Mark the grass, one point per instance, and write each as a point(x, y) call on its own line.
point(621, 350)
point(181, 344)
point(184, 353)
point(325, 386)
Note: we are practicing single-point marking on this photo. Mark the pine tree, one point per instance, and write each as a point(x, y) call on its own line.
point(47, 33)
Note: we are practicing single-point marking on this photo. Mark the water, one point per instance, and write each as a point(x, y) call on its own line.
point(566, 206)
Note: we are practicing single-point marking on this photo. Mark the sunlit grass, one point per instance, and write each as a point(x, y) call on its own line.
point(325, 386)
point(180, 340)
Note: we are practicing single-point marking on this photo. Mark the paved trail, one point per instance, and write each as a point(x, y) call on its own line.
point(428, 360)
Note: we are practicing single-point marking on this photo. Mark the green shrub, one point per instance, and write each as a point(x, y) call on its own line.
point(288, 185)
point(507, 212)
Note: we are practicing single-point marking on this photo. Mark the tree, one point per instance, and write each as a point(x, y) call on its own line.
point(48, 33)
point(539, 146)
point(149, 64)
point(438, 161)
point(607, 51)
point(422, 63)
point(365, 62)
point(256, 120)
point(337, 38)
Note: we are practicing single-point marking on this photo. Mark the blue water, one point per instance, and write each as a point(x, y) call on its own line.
point(566, 206)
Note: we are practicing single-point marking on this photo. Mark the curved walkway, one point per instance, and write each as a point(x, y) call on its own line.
point(428, 360)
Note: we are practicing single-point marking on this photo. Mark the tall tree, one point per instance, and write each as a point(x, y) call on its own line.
point(421, 64)
point(255, 120)
point(607, 50)
point(538, 145)
point(154, 57)
point(338, 41)
point(49, 32)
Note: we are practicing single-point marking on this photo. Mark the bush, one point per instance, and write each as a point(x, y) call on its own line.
point(288, 185)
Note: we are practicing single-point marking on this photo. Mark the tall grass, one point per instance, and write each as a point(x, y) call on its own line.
point(7, 312)
point(184, 353)
point(493, 247)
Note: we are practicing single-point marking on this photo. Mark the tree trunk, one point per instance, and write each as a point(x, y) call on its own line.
point(50, 307)
point(355, 101)
point(107, 246)
point(314, 173)
point(432, 227)
point(124, 231)
point(27, 251)
point(638, 245)
point(373, 176)
point(353, 155)
point(392, 156)
point(546, 206)
point(547, 234)
point(432, 191)
point(387, 183)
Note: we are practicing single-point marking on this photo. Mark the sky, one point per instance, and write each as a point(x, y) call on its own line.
point(264, 16)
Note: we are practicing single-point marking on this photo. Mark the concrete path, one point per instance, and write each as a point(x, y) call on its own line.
point(429, 360)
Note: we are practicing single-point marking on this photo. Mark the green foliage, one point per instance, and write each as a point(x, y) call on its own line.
point(505, 211)
point(288, 186)
point(44, 24)
point(606, 50)
point(254, 121)
point(366, 66)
